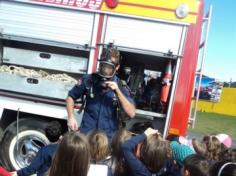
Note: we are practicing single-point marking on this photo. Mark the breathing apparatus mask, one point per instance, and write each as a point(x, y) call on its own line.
point(106, 70)
point(108, 63)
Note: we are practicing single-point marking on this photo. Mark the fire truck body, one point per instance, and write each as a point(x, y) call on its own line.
point(46, 45)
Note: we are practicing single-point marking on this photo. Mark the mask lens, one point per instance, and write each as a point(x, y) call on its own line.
point(106, 70)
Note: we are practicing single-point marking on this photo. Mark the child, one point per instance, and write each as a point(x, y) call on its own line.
point(180, 151)
point(195, 165)
point(228, 155)
point(42, 160)
point(72, 157)
point(197, 146)
point(225, 140)
point(100, 153)
point(119, 167)
point(154, 154)
point(214, 147)
point(223, 168)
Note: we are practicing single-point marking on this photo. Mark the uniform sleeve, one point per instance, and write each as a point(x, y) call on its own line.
point(35, 165)
point(79, 89)
point(134, 164)
point(127, 93)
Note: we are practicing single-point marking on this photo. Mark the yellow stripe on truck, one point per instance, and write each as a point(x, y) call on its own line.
point(160, 9)
point(171, 4)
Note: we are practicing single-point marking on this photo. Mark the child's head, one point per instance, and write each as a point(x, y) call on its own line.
point(223, 168)
point(225, 140)
point(213, 146)
point(72, 156)
point(195, 165)
point(199, 147)
point(99, 145)
point(173, 137)
point(119, 137)
point(53, 131)
point(228, 155)
point(180, 151)
point(154, 152)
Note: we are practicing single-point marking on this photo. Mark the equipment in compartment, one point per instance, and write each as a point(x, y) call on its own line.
point(145, 79)
point(40, 73)
point(45, 60)
point(166, 85)
point(21, 71)
point(38, 83)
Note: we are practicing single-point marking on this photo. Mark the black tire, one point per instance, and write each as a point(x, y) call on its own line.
point(30, 139)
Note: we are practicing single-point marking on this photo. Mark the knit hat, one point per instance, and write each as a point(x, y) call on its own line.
point(224, 139)
point(185, 141)
point(180, 151)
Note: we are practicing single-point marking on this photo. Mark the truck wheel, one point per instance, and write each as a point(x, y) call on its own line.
point(31, 138)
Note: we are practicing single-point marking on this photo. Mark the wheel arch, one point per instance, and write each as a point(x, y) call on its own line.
point(10, 116)
point(30, 121)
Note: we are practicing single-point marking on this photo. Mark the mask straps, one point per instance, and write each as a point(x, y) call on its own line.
point(222, 167)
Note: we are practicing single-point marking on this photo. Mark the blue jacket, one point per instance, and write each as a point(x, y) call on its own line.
point(41, 163)
point(100, 111)
point(136, 166)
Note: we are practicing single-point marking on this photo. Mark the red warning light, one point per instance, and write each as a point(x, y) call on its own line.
point(111, 3)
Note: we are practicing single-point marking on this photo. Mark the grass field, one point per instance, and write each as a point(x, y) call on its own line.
point(212, 123)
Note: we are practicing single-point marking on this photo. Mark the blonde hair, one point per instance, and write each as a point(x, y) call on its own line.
point(213, 147)
point(199, 147)
point(99, 145)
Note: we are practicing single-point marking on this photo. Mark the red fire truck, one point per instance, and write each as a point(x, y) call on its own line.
point(47, 45)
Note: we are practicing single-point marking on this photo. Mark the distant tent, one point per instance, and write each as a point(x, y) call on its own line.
point(210, 88)
point(205, 80)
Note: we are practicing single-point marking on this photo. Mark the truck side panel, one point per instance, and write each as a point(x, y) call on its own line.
point(183, 94)
point(33, 107)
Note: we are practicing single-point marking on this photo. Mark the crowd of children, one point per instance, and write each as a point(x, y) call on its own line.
point(143, 153)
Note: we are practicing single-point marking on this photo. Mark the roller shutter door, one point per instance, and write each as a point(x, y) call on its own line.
point(144, 34)
point(46, 23)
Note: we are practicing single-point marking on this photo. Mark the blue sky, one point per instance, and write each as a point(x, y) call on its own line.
point(220, 59)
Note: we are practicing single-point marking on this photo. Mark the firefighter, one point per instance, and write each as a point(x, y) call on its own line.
point(102, 97)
